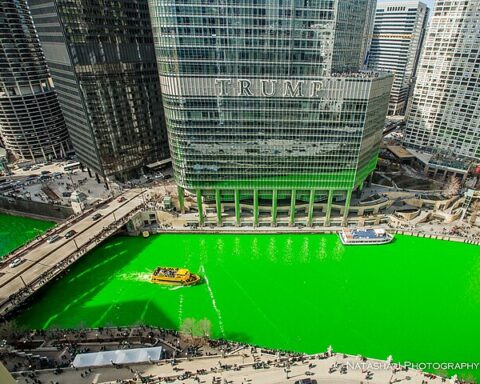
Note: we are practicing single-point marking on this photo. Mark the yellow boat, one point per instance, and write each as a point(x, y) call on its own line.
point(174, 276)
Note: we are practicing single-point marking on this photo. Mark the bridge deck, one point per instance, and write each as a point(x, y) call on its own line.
point(45, 256)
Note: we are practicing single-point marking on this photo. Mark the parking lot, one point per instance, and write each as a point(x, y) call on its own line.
point(52, 183)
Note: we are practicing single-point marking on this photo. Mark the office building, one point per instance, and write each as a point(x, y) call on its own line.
point(397, 41)
point(102, 60)
point(265, 106)
point(368, 33)
point(444, 117)
point(31, 121)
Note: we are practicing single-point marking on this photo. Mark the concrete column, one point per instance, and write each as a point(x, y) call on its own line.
point(237, 207)
point(218, 203)
point(370, 178)
point(329, 208)
point(199, 206)
point(255, 207)
point(274, 207)
point(347, 208)
point(293, 202)
point(310, 207)
point(181, 201)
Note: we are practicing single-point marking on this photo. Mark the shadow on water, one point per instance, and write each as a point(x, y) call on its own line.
point(69, 299)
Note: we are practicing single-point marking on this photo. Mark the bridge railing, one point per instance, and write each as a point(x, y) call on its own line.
point(24, 293)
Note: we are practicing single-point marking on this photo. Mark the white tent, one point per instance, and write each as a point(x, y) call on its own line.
point(121, 356)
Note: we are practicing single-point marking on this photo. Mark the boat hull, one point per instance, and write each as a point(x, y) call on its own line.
point(388, 239)
point(195, 279)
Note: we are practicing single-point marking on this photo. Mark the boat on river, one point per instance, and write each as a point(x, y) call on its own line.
point(365, 236)
point(174, 276)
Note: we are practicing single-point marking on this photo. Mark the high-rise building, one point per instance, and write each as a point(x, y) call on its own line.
point(444, 115)
point(397, 41)
point(368, 33)
point(101, 56)
point(265, 106)
point(31, 121)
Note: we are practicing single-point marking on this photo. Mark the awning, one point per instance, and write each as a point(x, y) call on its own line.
point(121, 356)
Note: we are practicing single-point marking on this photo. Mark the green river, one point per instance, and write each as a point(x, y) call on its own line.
point(416, 299)
point(16, 231)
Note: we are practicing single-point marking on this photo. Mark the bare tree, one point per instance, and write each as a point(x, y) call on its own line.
point(11, 331)
point(188, 327)
point(475, 211)
point(204, 328)
point(452, 187)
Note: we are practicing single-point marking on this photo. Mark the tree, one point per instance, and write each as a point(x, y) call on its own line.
point(475, 210)
point(11, 331)
point(452, 187)
point(204, 328)
point(188, 327)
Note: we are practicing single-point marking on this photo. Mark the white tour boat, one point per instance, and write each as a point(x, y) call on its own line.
point(365, 236)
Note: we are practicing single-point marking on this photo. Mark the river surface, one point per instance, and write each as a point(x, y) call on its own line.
point(415, 299)
point(16, 231)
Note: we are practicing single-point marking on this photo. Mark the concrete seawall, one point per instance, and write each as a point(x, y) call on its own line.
point(34, 209)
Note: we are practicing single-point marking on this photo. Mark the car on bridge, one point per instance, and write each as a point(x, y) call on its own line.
point(16, 262)
point(53, 238)
point(121, 199)
point(96, 216)
point(70, 234)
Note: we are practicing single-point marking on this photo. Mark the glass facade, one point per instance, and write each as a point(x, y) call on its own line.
point(397, 42)
point(443, 118)
point(102, 59)
point(263, 98)
point(31, 121)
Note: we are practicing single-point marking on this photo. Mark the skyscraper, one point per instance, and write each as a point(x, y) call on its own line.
point(444, 117)
point(31, 121)
point(397, 41)
point(368, 32)
point(102, 59)
point(264, 104)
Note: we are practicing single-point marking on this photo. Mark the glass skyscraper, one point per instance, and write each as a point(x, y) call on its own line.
point(397, 41)
point(265, 105)
point(444, 115)
point(31, 121)
point(101, 56)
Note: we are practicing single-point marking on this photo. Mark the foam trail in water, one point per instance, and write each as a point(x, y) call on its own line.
point(214, 303)
point(180, 310)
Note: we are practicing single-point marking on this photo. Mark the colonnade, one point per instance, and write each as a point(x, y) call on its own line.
point(274, 205)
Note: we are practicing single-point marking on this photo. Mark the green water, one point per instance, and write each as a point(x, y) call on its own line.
point(16, 231)
point(416, 299)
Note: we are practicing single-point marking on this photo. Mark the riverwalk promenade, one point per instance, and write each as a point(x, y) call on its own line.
point(245, 366)
point(42, 261)
point(187, 360)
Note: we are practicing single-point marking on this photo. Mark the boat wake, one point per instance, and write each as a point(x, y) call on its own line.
point(214, 303)
point(137, 276)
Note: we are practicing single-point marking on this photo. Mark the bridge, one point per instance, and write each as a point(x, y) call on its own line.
point(43, 261)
